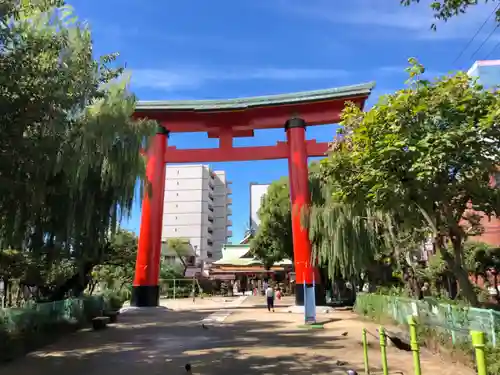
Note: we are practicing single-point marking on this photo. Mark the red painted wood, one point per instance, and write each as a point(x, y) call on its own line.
point(147, 268)
point(300, 199)
point(212, 155)
point(215, 133)
point(266, 117)
point(227, 125)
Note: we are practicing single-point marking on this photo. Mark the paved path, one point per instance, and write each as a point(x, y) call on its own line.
point(250, 341)
point(225, 312)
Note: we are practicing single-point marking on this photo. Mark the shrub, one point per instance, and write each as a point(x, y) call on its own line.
point(114, 300)
point(24, 330)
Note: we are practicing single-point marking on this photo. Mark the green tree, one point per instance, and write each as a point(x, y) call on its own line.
point(350, 237)
point(446, 9)
point(70, 152)
point(273, 240)
point(117, 268)
point(343, 239)
point(425, 152)
point(181, 249)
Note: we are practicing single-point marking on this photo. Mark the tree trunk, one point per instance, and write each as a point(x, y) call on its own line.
point(75, 285)
point(92, 287)
point(454, 264)
point(465, 286)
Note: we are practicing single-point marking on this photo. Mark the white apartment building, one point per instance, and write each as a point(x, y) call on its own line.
point(196, 208)
point(222, 212)
point(257, 192)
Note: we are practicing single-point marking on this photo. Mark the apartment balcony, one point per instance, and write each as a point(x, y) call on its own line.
point(228, 182)
point(229, 233)
point(229, 223)
point(229, 191)
point(229, 201)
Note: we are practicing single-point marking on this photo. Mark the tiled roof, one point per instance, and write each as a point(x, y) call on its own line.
point(256, 101)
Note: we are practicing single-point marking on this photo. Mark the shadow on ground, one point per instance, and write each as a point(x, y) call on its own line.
point(162, 342)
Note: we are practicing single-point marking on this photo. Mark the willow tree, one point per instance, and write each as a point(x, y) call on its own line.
point(345, 238)
point(352, 237)
point(70, 152)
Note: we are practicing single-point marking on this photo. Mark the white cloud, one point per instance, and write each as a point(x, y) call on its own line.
point(190, 78)
point(388, 17)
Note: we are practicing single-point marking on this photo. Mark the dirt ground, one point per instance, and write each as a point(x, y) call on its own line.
point(250, 340)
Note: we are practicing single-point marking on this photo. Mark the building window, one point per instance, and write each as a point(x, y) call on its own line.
point(175, 229)
point(209, 242)
point(209, 254)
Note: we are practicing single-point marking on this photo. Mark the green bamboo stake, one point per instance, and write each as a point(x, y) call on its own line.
point(478, 344)
point(414, 345)
point(383, 350)
point(365, 352)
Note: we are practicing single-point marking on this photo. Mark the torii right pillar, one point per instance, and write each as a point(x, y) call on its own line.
point(306, 273)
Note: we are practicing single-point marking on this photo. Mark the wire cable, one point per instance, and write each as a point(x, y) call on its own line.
point(476, 34)
point(493, 50)
point(484, 42)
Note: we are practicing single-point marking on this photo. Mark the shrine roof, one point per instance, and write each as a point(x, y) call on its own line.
point(257, 101)
point(242, 262)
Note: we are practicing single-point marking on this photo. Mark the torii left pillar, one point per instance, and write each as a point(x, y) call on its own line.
point(145, 290)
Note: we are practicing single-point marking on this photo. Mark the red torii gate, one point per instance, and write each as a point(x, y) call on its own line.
point(226, 120)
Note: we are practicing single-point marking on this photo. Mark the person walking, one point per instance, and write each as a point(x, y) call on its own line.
point(270, 298)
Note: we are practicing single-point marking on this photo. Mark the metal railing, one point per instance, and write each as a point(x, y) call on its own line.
point(455, 320)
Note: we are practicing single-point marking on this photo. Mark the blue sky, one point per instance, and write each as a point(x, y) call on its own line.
point(226, 49)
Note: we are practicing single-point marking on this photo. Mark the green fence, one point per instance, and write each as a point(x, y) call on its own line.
point(34, 315)
point(457, 321)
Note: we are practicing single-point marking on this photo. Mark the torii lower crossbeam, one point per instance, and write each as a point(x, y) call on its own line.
point(222, 154)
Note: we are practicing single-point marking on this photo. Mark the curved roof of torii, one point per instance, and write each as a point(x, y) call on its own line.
point(344, 92)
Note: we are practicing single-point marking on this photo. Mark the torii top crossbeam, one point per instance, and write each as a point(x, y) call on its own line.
point(232, 118)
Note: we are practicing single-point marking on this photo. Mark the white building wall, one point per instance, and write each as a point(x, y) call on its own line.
point(188, 207)
point(222, 202)
point(257, 192)
point(487, 72)
point(196, 207)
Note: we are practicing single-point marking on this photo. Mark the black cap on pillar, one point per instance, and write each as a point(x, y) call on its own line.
point(295, 122)
point(162, 130)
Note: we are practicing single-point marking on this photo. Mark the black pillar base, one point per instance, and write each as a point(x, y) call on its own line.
point(145, 296)
point(319, 293)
